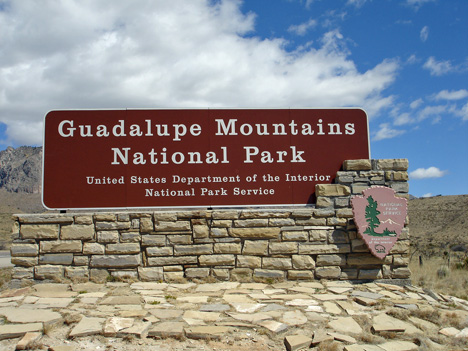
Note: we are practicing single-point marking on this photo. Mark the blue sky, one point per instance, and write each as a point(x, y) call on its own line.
point(404, 61)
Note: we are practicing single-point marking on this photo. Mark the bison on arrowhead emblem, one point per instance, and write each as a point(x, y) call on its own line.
point(380, 217)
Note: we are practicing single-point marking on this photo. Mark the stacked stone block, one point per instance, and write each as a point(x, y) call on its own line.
point(307, 243)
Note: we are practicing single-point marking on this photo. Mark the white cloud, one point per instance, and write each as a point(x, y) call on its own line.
point(424, 34)
point(432, 111)
point(357, 3)
point(438, 68)
point(416, 103)
point(427, 195)
point(424, 173)
point(402, 119)
point(416, 4)
point(150, 54)
point(451, 95)
point(301, 29)
point(386, 132)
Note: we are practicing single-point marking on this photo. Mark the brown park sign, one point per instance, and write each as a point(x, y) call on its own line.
point(196, 158)
point(380, 217)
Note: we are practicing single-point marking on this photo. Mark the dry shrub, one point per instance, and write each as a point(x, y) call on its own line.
point(437, 275)
point(453, 319)
point(428, 314)
point(5, 276)
point(399, 313)
point(329, 345)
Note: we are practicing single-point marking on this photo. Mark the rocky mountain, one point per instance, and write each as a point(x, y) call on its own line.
point(21, 169)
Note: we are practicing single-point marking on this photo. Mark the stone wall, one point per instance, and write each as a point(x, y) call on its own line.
point(307, 243)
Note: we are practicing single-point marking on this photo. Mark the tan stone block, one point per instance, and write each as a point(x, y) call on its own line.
point(344, 212)
point(337, 221)
point(303, 262)
point(331, 260)
point(80, 260)
point(318, 235)
point(179, 239)
point(328, 272)
point(283, 248)
point(401, 273)
point(146, 225)
point(363, 259)
point(48, 272)
point(123, 249)
point(229, 248)
point(308, 249)
point(221, 273)
point(22, 273)
point(93, 249)
point(201, 231)
point(241, 274)
point(148, 274)
point(338, 237)
point(105, 217)
point(324, 213)
point(219, 232)
point(20, 249)
point(24, 261)
point(61, 246)
point(311, 222)
point(264, 214)
point(332, 190)
point(221, 223)
point(281, 222)
point(165, 216)
point(45, 218)
point(39, 231)
point(260, 233)
point(249, 261)
point(370, 274)
point(77, 232)
point(83, 220)
point(358, 245)
point(225, 214)
point(112, 225)
point(197, 272)
point(115, 261)
point(256, 248)
point(276, 263)
point(76, 273)
point(108, 237)
point(399, 260)
point(160, 251)
point(173, 276)
point(60, 259)
point(179, 226)
point(168, 261)
point(153, 240)
point(401, 247)
point(269, 273)
point(217, 260)
point(295, 235)
point(399, 164)
point(324, 202)
point(248, 223)
point(187, 250)
point(300, 275)
point(357, 165)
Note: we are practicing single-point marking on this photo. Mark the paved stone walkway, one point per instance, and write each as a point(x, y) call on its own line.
point(231, 316)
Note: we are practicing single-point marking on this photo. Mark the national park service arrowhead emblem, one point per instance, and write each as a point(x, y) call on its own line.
point(380, 217)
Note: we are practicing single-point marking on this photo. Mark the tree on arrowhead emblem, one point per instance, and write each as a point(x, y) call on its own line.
point(373, 220)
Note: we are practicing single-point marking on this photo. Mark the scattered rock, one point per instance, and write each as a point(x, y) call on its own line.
point(296, 342)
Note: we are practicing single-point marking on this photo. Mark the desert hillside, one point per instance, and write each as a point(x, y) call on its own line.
point(439, 224)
